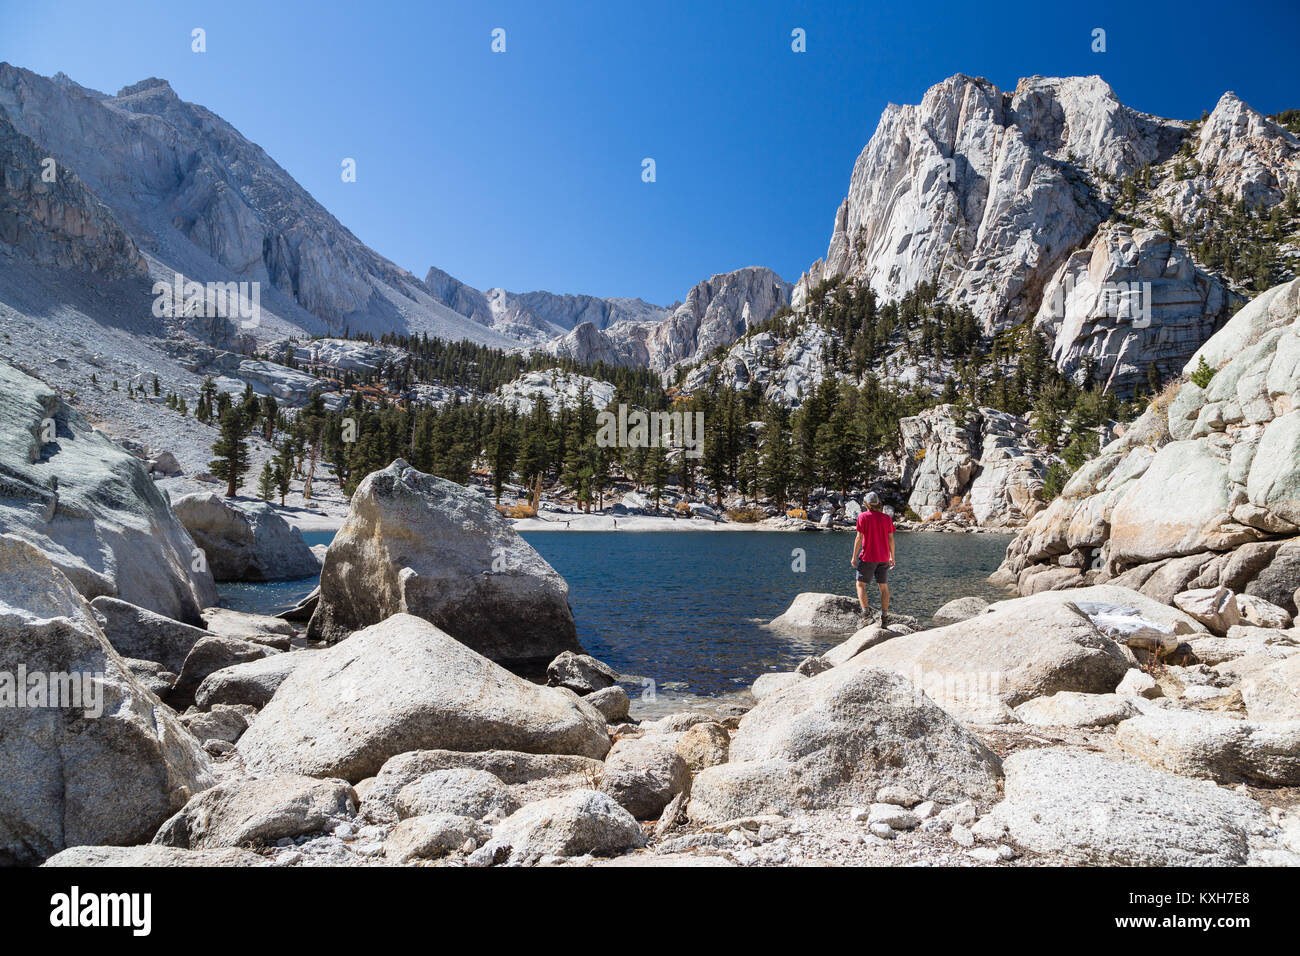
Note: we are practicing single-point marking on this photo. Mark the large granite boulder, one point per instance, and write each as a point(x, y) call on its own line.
point(464, 792)
point(1084, 809)
point(574, 824)
point(245, 540)
point(529, 776)
point(1015, 651)
point(1272, 692)
point(252, 682)
point(91, 507)
point(416, 544)
point(835, 740)
point(87, 755)
point(433, 835)
point(644, 775)
point(258, 812)
point(402, 685)
point(137, 633)
point(96, 857)
point(1217, 746)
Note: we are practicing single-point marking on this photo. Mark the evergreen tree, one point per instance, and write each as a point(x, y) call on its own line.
point(231, 451)
point(266, 482)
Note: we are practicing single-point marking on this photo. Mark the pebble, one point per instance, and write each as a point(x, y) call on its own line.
point(900, 796)
point(893, 815)
point(962, 836)
point(961, 814)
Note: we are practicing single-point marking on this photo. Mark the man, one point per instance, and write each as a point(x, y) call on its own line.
point(873, 556)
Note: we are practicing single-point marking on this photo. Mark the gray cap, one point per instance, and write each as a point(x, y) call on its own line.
point(872, 498)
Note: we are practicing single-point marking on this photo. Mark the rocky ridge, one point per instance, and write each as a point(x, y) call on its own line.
point(1201, 490)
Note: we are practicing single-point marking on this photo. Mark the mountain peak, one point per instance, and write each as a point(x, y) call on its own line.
point(153, 84)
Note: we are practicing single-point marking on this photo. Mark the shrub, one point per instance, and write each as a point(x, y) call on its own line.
point(518, 510)
point(744, 515)
point(1203, 373)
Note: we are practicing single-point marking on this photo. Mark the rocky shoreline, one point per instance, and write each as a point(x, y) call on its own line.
point(387, 722)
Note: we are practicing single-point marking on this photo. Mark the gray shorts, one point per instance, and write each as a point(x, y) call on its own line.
point(878, 569)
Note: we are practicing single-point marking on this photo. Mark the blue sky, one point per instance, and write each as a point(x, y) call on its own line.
point(523, 169)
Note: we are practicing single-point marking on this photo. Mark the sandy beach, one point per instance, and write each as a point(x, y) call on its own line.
point(561, 521)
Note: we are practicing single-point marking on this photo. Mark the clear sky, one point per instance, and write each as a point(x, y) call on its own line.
point(523, 169)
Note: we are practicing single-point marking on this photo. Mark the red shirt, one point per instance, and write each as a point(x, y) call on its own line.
point(875, 528)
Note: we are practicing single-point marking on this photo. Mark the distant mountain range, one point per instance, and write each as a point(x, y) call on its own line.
point(1033, 205)
point(180, 190)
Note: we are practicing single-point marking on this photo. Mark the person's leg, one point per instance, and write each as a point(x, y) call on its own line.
point(884, 598)
point(862, 596)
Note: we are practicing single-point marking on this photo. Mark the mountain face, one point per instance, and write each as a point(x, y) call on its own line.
point(1058, 204)
point(52, 219)
point(715, 313)
point(986, 191)
point(1129, 299)
point(538, 316)
point(200, 199)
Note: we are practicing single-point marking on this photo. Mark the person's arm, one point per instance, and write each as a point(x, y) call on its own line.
point(891, 549)
point(857, 547)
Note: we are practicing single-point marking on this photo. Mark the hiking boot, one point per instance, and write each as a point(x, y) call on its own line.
point(884, 619)
point(864, 620)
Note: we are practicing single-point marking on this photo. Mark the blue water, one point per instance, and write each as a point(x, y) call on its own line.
point(685, 610)
point(274, 596)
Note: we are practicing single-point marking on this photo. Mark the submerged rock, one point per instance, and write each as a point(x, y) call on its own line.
point(416, 544)
point(820, 614)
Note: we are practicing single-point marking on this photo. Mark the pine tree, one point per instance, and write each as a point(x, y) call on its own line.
point(284, 469)
point(266, 482)
point(231, 450)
